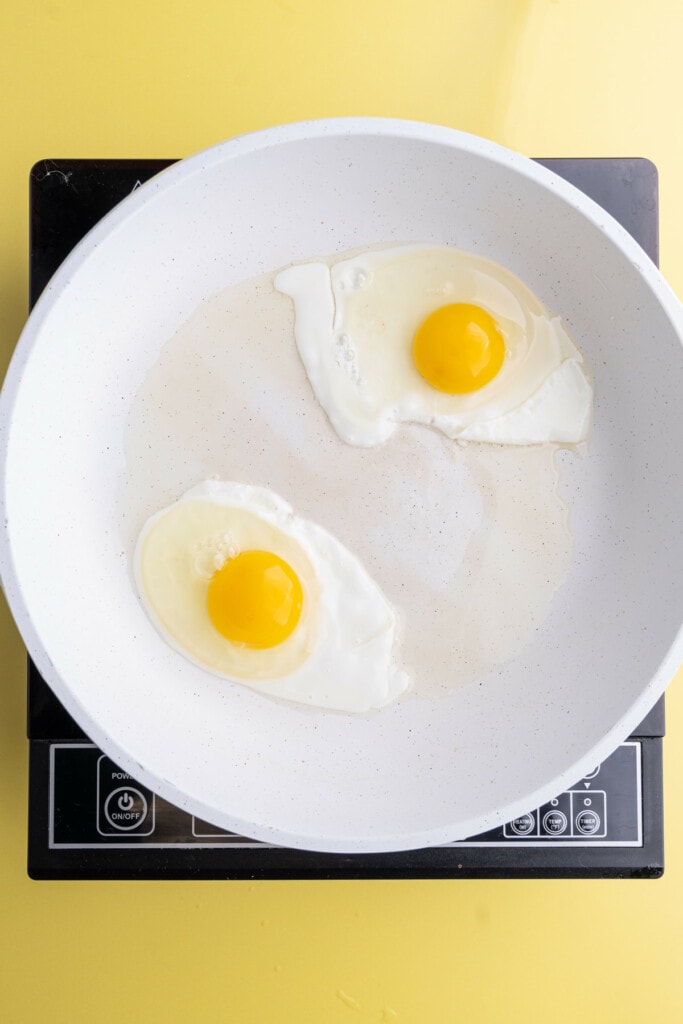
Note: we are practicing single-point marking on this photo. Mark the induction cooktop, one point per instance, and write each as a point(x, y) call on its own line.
point(89, 819)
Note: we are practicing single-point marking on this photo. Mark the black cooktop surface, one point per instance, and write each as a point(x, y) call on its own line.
point(89, 819)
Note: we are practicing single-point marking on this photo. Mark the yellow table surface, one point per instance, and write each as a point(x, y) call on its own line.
point(162, 79)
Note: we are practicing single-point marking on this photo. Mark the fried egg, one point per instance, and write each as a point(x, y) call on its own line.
point(244, 588)
point(433, 335)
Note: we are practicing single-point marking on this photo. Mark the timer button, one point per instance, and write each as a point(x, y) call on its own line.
point(588, 822)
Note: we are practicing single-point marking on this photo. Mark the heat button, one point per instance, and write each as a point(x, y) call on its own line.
point(125, 808)
point(523, 825)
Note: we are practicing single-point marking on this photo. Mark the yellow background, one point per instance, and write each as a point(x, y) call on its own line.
point(163, 79)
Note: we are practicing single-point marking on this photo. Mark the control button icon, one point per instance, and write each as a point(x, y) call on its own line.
point(591, 775)
point(523, 825)
point(587, 822)
point(125, 808)
point(554, 822)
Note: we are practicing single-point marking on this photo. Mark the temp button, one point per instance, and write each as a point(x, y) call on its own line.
point(125, 808)
point(554, 823)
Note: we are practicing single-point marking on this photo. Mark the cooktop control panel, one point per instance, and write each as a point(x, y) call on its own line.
point(94, 803)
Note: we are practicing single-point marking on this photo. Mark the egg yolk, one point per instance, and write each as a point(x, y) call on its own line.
point(255, 599)
point(458, 348)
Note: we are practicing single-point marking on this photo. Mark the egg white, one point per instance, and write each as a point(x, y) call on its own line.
point(341, 654)
point(354, 326)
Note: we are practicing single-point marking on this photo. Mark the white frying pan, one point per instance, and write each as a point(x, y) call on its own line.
point(423, 771)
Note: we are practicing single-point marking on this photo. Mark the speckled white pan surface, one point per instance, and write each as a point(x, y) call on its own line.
point(426, 770)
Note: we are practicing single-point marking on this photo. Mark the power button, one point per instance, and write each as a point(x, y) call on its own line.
point(124, 807)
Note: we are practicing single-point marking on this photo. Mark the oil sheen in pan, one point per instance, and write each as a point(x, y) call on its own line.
point(469, 542)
